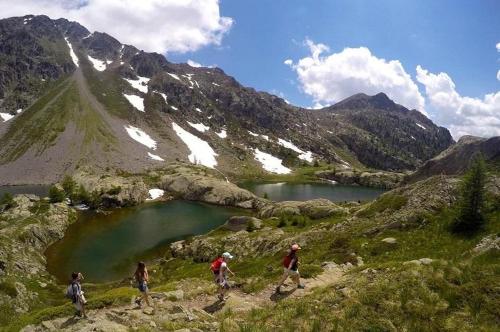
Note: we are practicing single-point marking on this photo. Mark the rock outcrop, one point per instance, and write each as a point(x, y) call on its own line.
point(384, 180)
point(25, 232)
point(314, 209)
point(192, 184)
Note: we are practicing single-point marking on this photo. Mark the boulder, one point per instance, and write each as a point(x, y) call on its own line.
point(193, 186)
point(239, 223)
point(390, 240)
point(314, 209)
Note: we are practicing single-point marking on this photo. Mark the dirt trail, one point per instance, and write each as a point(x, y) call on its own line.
point(200, 310)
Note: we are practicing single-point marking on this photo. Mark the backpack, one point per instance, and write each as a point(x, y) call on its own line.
point(215, 266)
point(70, 291)
point(288, 259)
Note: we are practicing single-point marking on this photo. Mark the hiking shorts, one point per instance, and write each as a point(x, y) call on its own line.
point(143, 287)
point(291, 273)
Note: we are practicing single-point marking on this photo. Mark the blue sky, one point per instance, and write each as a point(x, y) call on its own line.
point(440, 57)
point(456, 37)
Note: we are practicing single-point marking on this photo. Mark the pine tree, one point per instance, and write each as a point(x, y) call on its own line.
point(56, 195)
point(470, 216)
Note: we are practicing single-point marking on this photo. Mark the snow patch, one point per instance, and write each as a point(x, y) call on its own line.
point(222, 134)
point(6, 116)
point(19, 110)
point(418, 124)
point(271, 163)
point(164, 96)
point(109, 62)
point(155, 157)
point(99, 65)
point(201, 152)
point(140, 84)
point(198, 110)
point(136, 101)
point(307, 156)
point(199, 126)
point(140, 136)
point(215, 84)
point(174, 76)
point(155, 193)
point(253, 134)
point(174, 108)
point(71, 52)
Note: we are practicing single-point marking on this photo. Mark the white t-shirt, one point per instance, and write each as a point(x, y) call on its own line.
point(223, 268)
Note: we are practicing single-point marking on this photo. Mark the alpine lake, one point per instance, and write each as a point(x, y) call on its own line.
point(106, 246)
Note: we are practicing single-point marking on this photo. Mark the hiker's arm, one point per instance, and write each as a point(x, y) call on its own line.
point(291, 263)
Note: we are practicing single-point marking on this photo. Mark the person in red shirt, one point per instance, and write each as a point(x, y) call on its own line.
point(291, 267)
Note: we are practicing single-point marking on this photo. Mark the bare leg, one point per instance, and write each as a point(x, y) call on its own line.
point(146, 298)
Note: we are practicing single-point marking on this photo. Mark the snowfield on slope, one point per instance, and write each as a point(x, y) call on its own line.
point(199, 126)
point(155, 157)
point(71, 52)
point(140, 84)
point(270, 163)
point(141, 137)
point(136, 101)
point(201, 152)
point(155, 193)
point(99, 65)
point(222, 134)
point(6, 116)
point(307, 156)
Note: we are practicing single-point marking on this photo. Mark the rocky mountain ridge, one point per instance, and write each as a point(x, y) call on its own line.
point(70, 98)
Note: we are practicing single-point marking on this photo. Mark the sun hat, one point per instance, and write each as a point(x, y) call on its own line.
point(227, 255)
point(295, 247)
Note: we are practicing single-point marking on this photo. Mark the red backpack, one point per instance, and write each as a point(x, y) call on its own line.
point(215, 266)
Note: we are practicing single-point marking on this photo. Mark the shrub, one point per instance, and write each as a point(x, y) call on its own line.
point(266, 196)
point(114, 191)
point(56, 195)
point(8, 288)
point(251, 226)
point(470, 216)
point(282, 223)
point(69, 185)
point(7, 201)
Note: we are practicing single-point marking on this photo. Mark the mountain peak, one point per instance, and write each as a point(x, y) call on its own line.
point(364, 101)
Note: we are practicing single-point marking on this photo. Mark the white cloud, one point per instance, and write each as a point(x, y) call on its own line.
point(498, 75)
point(336, 76)
point(288, 62)
point(462, 115)
point(498, 47)
point(152, 25)
point(194, 64)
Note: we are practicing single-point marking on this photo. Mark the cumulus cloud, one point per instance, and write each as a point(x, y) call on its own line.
point(152, 25)
point(194, 64)
point(288, 62)
point(331, 78)
point(498, 47)
point(462, 115)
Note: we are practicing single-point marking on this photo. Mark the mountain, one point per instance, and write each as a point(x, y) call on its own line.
point(383, 134)
point(72, 99)
point(458, 157)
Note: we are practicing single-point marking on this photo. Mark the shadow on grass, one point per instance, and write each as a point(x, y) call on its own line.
point(275, 297)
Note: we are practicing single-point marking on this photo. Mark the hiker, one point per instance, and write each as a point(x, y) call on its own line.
point(141, 277)
point(291, 267)
point(220, 269)
point(75, 293)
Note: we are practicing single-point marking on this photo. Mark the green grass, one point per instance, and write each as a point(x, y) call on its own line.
point(385, 202)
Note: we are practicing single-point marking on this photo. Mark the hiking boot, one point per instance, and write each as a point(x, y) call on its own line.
point(221, 297)
point(278, 290)
point(301, 286)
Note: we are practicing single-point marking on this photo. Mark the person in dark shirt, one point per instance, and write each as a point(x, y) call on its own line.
point(291, 267)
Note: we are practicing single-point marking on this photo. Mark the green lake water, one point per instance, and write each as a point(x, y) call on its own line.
point(305, 191)
point(107, 247)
